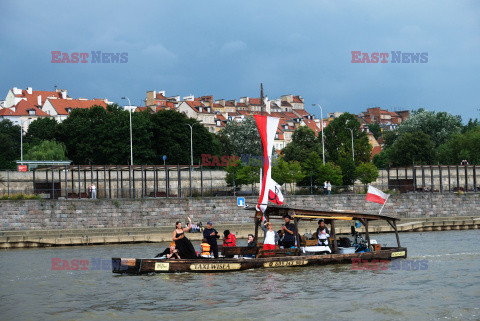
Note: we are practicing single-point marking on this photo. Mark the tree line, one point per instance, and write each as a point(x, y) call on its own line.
point(428, 137)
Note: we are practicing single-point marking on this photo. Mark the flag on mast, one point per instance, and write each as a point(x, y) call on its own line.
point(376, 196)
point(270, 190)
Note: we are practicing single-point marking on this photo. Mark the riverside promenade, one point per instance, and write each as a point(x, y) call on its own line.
point(37, 223)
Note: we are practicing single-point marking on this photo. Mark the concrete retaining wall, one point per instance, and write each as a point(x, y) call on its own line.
point(91, 214)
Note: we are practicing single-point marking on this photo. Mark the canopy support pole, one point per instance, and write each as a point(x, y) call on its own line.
point(334, 244)
point(394, 226)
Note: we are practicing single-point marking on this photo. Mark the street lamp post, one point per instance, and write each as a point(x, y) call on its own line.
point(191, 143)
point(131, 143)
point(321, 121)
point(353, 150)
point(21, 143)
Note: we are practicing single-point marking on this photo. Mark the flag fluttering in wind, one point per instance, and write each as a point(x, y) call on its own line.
point(375, 195)
point(270, 190)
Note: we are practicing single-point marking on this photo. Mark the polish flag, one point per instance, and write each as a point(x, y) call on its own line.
point(270, 190)
point(375, 195)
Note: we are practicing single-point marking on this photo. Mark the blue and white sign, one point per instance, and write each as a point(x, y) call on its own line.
point(241, 201)
point(164, 157)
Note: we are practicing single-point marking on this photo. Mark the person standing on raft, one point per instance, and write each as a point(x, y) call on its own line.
point(182, 243)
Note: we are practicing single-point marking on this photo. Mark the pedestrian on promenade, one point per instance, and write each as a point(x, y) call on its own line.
point(93, 191)
point(329, 187)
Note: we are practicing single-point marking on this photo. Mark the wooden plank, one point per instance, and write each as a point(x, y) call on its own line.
point(325, 217)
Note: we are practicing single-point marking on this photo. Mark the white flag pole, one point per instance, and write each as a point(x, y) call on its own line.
point(384, 205)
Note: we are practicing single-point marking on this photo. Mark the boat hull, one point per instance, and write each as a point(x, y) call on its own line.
point(202, 265)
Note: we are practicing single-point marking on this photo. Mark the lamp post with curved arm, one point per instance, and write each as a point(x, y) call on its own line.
point(353, 150)
point(321, 121)
point(191, 143)
point(131, 143)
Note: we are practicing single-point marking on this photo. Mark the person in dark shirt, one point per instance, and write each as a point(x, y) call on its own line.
point(289, 230)
point(281, 236)
point(211, 235)
point(251, 241)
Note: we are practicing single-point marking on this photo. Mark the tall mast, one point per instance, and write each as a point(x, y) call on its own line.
point(261, 98)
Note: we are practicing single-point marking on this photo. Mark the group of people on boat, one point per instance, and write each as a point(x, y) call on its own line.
point(181, 247)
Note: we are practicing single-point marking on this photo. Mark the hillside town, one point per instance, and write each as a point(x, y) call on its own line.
point(23, 106)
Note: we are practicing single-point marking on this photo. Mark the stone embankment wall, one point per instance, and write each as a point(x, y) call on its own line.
point(91, 214)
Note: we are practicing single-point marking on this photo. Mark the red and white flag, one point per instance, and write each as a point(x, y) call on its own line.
point(270, 190)
point(375, 195)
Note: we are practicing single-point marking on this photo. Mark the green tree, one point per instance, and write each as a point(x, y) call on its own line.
point(439, 126)
point(9, 144)
point(367, 173)
point(382, 160)
point(389, 138)
point(287, 172)
point(338, 141)
point(460, 147)
point(303, 143)
point(171, 137)
point(42, 129)
point(348, 170)
point(46, 150)
point(375, 129)
point(472, 124)
point(239, 174)
point(412, 148)
point(241, 138)
point(316, 173)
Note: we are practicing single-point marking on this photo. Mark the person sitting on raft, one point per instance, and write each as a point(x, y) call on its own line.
point(170, 252)
point(229, 240)
point(251, 241)
point(322, 233)
point(205, 249)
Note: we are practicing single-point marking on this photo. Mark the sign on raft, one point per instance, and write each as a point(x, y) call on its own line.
point(162, 266)
point(214, 266)
point(285, 263)
point(397, 254)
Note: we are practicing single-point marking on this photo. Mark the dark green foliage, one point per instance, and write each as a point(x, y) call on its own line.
point(472, 124)
point(460, 147)
point(367, 173)
point(102, 136)
point(241, 138)
point(382, 160)
point(42, 129)
point(439, 126)
point(9, 144)
point(375, 129)
point(316, 173)
point(239, 174)
point(338, 141)
point(303, 143)
point(348, 170)
point(46, 150)
point(412, 148)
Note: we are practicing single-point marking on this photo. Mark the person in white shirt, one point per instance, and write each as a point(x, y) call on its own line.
point(93, 191)
point(271, 236)
point(322, 233)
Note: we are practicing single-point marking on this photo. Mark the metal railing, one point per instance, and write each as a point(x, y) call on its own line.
point(158, 181)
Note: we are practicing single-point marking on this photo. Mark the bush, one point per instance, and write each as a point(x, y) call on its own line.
point(20, 196)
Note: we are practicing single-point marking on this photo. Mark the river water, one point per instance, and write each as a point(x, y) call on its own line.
point(445, 286)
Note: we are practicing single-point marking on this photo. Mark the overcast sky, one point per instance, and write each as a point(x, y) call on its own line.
point(227, 48)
